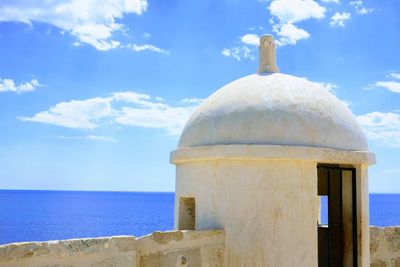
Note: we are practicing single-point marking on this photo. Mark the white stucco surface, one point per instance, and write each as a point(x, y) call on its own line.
point(274, 109)
point(275, 152)
point(265, 198)
point(268, 209)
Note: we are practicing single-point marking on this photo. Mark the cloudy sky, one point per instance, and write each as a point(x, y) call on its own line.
point(94, 94)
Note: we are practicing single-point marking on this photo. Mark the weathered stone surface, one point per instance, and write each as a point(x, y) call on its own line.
point(397, 262)
point(182, 248)
point(108, 251)
point(165, 237)
point(214, 254)
point(81, 246)
point(393, 238)
point(378, 263)
point(182, 257)
point(173, 248)
point(385, 246)
point(124, 243)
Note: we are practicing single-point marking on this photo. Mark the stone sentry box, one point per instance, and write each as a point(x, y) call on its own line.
point(251, 157)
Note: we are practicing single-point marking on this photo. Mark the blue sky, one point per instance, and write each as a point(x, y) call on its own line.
point(94, 94)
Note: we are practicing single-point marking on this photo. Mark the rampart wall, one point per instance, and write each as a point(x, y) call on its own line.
point(174, 248)
point(385, 246)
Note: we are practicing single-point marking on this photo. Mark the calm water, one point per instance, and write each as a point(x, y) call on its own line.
point(49, 215)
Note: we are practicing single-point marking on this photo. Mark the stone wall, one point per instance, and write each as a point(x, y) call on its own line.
point(385, 246)
point(175, 248)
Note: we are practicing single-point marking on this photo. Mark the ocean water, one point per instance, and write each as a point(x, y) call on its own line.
point(49, 215)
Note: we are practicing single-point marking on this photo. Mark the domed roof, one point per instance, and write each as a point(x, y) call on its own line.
point(274, 109)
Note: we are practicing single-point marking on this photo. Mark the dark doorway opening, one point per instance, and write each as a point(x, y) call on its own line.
point(337, 240)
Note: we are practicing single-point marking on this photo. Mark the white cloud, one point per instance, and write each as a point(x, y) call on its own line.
point(90, 138)
point(255, 28)
point(289, 34)
point(395, 76)
point(149, 112)
point(172, 119)
point(125, 108)
point(101, 45)
point(250, 39)
point(391, 86)
point(226, 52)
point(91, 21)
point(245, 50)
point(289, 12)
point(331, 1)
point(8, 85)
point(148, 47)
point(339, 19)
point(360, 8)
point(131, 97)
point(239, 52)
point(382, 127)
point(77, 114)
point(196, 101)
point(296, 10)
point(284, 13)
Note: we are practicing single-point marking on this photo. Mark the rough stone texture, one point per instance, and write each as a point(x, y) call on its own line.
point(182, 257)
point(182, 248)
point(385, 246)
point(107, 251)
point(175, 248)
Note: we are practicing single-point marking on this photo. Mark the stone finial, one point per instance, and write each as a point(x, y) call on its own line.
point(267, 55)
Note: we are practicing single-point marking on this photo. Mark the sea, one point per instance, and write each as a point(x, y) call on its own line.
point(31, 215)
